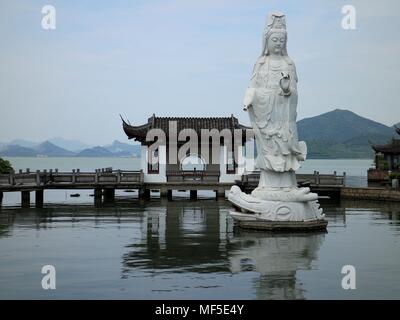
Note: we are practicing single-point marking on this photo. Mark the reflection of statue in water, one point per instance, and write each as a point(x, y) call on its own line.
point(277, 258)
point(271, 101)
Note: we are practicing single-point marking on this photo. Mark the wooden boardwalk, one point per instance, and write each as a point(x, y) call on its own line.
point(70, 180)
point(328, 185)
point(104, 182)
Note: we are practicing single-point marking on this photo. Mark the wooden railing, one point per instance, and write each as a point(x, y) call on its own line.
point(314, 178)
point(195, 175)
point(76, 177)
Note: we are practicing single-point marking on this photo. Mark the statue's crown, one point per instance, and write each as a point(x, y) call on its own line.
point(276, 20)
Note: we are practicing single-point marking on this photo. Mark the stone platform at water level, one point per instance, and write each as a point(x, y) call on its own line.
point(249, 221)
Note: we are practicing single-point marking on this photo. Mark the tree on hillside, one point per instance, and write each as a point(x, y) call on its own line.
point(5, 166)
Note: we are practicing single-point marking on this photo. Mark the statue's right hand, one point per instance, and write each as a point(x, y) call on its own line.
point(248, 98)
point(246, 107)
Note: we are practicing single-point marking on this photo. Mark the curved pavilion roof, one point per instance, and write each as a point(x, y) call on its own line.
point(392, 147)
point(138, 133)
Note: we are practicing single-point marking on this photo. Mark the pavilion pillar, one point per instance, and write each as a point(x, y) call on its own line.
point(39, 198)
point(193, 194)
point(1, 198)
point(169, 194)
point(25, 199)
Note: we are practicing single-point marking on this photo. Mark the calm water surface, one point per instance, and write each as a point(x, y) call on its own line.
point(184, 249)
point(191, 250)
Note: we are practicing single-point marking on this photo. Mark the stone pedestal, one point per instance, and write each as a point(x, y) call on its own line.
point(296, 207)
point(255, 222)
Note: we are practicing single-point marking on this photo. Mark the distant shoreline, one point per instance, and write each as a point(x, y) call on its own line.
point(71, 157)
point(138, 157)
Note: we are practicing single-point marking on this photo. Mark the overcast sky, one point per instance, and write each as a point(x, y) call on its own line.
point(184, 58)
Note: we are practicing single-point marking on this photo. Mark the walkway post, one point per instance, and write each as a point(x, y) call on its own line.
point(97, 196)
point(163, 193)
point(193, 194)
point(25, 199)
point(12, 177)
point(109, 194)
point(39, 196)
point(119, 176)
point(169, 194)
point(220, 194)
point(38, 177)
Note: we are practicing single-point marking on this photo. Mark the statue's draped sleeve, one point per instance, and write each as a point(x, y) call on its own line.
point(251, 90)
point(293, 76)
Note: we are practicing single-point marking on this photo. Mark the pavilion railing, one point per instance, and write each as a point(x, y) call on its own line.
point(314, 178)
point(75, 177)
point(193, 175)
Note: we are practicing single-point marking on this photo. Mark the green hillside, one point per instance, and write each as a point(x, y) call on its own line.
point(342, 134)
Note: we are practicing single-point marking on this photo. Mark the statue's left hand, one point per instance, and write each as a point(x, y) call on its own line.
point(285, 83)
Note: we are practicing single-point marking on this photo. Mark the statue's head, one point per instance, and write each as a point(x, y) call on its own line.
point(276, 43)
point(275, 36)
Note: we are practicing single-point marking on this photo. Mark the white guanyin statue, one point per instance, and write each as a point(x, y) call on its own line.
point(271, 101)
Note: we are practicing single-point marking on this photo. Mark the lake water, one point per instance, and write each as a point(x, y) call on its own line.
point(190, 250)
point(182, 249)
point(352, 167)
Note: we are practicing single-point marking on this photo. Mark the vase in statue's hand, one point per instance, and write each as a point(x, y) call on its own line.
point(249, 98)
point(285, 83)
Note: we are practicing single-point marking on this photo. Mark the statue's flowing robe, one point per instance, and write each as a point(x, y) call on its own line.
point(273, 116)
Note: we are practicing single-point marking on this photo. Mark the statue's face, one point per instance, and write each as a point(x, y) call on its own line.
point(276, 43)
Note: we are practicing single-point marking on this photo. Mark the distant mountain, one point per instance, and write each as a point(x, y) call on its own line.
point(340, 126)
point(44, 149)
point(342, 134)
point(49, 149)
point(23, 143)
point(336, 134)
point(95, 152)
point(70, 145)
point(17, 151)
point(123, 149)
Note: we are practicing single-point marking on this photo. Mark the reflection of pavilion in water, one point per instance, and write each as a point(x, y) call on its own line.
point(198, 237)
point(181, 236)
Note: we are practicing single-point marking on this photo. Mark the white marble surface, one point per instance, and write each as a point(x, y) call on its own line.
point(271, 101)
